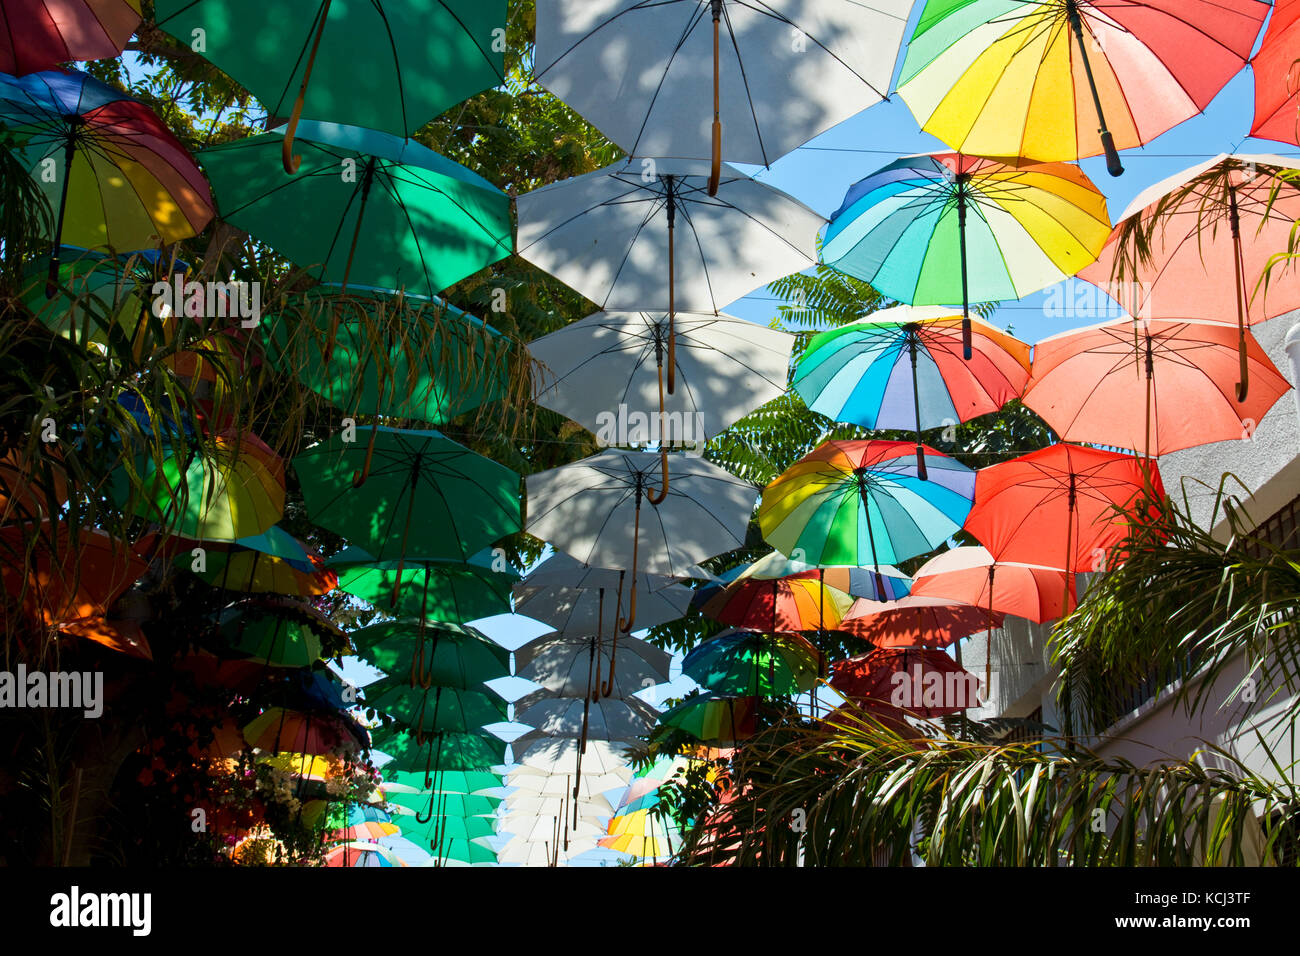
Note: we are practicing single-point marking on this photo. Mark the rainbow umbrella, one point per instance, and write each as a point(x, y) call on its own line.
point(851, 579)
point(942, 228)
point(747, 663)
point(357, 822)
point(1062, 79)
point(901, 368)
point(40, 34)
point(854, 502)
point(265, 563)
point(123, 181)
point(360, 853)
point(280, 730)
point(641, 833)
point(710, 717)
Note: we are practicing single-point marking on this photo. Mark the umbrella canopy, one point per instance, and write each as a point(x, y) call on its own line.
point(623, 720)
point(361, 853)
point(641, 833)
point(802, 603)
point(430, 588)
point(366, 64)
point(943, 228)
point(570, 665)
point(1167, 257)
point(94, 293)
point(429, 710)
point(1277, 78)
point(280, 730)
point(466, 501)
point(437, 362)
point(1088, 384)
point(448, 655)
point(863, 502)
point(252, 564)
point(606, 373)
point(564, 571)
point(920, 681)
point(272, 640)
point(1063, 506)
point(554, 779)
point(454, 850)
point(709, 717)
point(473, 783)
point(594, 610)
point(1064, 79)
point(523, 805)
point(747, 663)
point(428, 222)
point(970, 574)
point(916, 621)
point(441, 803)
point(593, 510)
point(902, 368)
point(68, 574)
point(850, 579)
point(779, 72)
point(39, 34)
point(437, 757)
point(603, 758)
point(124, 181)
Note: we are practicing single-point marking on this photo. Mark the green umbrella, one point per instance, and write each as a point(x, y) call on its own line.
point(444, 826)
point(466, 501)
point(464, 851)
point(741, 663)
point(431, 589)
point(92, 293)
point(428, 803)
point(429, 710)
point(438, 362)
point(438, 756)
point(709, 717)
point(275, 641)
point(428, 222)
point(443, 654)
point(390, 66)
point(473, 783)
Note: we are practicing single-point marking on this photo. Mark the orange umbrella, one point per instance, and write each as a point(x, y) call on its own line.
point(1277, 76)
point(916, 621)
point(1088, 384)
point(280, 730)
point(800, 602)
point(60, 575)
point(123, 635)
point(1063, 506)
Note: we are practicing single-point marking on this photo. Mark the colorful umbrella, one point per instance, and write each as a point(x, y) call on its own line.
point(1166, 258)
point(355, 822)
point(901, 368)
point(279, 730)
point(429, 222)
point(709, 717)
point(641, 833)
point(1062, 79)
point(1277, 77)
point(1063, 506)
point(801, 603)
point(466, 501)
point(782, 71)
point(750, 664)
point(850, 579)
point(854, 502)
point(611, 235)
point(922, 682)
point(361, 853)
point(916, 621)
point(94, 293)
point(123, 180)
point(943, 228)
point(366, 64)
point(437, 361)
point(445, 654)
point(433, 589)
point(59, 574)
point(39, 34)
point(251, 564)
point(1087, 384)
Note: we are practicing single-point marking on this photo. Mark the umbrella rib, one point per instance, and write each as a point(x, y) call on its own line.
point(769, 12)
point(636, 7)
point(691, 23)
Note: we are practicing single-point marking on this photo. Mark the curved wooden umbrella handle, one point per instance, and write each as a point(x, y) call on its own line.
point(657, 497)
point(1243, 386)
point(715, 171)
point(625, 624)
point(290, 161)
point(359, 476)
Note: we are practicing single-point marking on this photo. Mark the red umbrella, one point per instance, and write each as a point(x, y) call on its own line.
point(918, 681)
point(280, 730)
point(67, 575)
point(916, 621)
point(1065, 505)
point(39, 34)
point(1088, 384)
point(1277, 76)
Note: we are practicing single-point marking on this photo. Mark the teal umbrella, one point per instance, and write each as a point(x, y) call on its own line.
point(430, 710)
point(443, 654)
point(437, 756)
point(439, 589)
point(428, 222)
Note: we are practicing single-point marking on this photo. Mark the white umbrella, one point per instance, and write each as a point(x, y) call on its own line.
point(606, 373)
point(779, 72)
point(592, 610)
point(554, 784)
point(611, 235)
point(570, 665)
point(593, 809)
point(561, 570)
point(546, 853)
point(607, 757)
point(606, 719)
point(592, 509)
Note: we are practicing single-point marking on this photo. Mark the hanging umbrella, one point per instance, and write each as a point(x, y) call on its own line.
point(916, 621)
point(40, 34)
point(850, 579)
point(466, 501)
point(1167, 257)
point(779, 73)
point(61, 574)
point(550, 780)
point(1088, 384)
point(433, 589)
point(354, 822)
point(427, 804)
point(438, 756)
point(473, 783)
point(279, 730)
point(642, 833)
point(917, 681)
point(271, 640)
point(943, 228)
point(522, 805)
point(428, 222)
point(571, 665)
point(1063, 79)
point(606, 372)
point(624, 720)
point(802, 603)
point(1063, 506)
point(1277, 77)
point(860, 502)
point(611, 235)
point(272, 562)
point(643, 792)
point(361, 853)
point(606, 757)
point(123, 180)
point(454, 851)
point(750, 664)
point(592, 509)
point(366, 64)
point(597, 610)
point(709, 717)
point(93, 293)
point(437, 361)
point(448, 655)
point(440, 828)
point(901, 368)
point(425, 711)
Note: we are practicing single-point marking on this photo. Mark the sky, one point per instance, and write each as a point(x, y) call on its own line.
point(820, 172)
